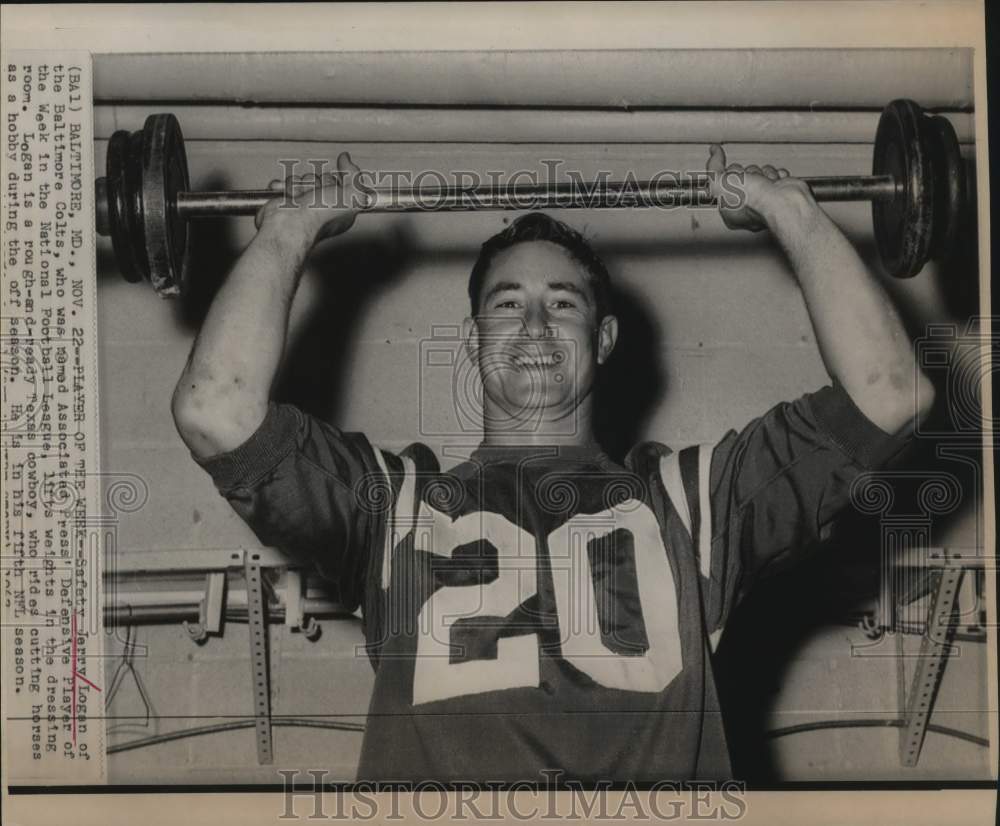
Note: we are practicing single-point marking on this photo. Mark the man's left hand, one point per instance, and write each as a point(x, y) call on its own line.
point(760, 190)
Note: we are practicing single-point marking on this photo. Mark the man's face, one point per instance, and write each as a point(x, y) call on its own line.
point(537, 338)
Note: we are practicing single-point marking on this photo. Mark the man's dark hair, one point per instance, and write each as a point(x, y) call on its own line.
point(537, 226)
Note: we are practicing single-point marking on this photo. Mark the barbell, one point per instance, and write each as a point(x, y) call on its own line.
point(917, 188)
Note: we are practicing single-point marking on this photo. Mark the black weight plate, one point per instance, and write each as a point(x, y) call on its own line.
point(904, 225)
point(101, 223)
point(165, 173)
point(949, 184)
point(119, 204)
point(134, 209)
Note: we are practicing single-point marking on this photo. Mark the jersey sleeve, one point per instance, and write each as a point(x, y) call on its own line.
point(774, 488)
point(310, 490)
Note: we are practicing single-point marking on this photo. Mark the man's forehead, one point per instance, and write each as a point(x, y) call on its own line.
point(551, 284)
point(535, 262)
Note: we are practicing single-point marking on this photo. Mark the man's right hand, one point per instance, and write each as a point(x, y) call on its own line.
point(222, 395)
point(321, 207)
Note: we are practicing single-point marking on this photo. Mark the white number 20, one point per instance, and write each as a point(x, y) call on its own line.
point(517, 661)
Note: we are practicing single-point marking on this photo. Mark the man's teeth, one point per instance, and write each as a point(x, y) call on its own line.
point(537, 361)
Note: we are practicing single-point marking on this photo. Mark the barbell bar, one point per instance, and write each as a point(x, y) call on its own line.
point(917, 188)
point(599, 195)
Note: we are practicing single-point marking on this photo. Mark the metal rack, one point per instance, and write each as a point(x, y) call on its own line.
point(263, 585)
point(201, 588)
point(917, 703)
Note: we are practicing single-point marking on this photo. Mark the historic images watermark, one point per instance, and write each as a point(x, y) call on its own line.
point(550, 186)
point(552, 797)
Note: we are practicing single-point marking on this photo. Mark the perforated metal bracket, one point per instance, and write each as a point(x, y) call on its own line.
point(918, 702)
point(257, 619)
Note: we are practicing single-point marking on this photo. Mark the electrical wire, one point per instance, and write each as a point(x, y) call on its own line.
point(216, 728)
point(877, 723)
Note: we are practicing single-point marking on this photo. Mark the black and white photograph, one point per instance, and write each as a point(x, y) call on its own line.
point(476, 411)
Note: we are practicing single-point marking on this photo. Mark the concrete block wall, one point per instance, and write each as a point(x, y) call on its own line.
point(728, 335)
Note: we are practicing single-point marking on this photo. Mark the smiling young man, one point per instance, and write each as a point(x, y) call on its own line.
point(539, 608)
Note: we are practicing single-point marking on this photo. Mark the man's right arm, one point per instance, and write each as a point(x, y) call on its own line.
point(222, 395)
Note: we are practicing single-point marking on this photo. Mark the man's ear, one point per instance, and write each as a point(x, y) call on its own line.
point(607, 337)
point(470, 332)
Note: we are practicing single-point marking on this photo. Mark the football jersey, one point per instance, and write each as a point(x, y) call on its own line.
point(544, 610)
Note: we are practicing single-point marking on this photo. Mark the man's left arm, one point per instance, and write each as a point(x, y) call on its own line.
point(772, 490)
point(859, 332)
point(770, 493)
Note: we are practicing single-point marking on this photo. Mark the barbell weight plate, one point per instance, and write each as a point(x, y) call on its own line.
point(904, 225)
point(165, 173)
point(949, 184)
point(133, 192)
point(120, 218)
point(101, 219)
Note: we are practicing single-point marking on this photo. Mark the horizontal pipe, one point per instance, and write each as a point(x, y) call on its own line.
point(174, 560)
point(481, 125)
point(128, 614)
point(235, 598)
point(125, 614)
point(713, 78)
point(163, 597)
point(557, 196)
